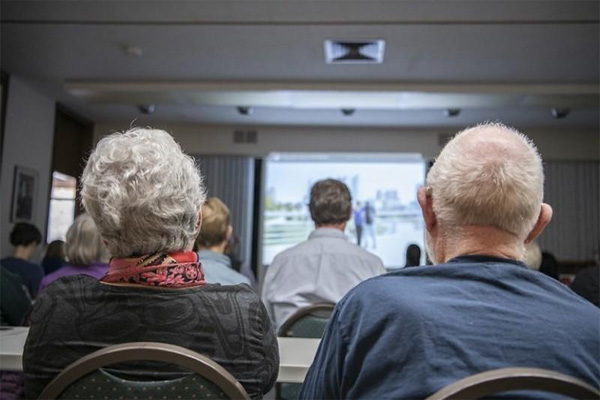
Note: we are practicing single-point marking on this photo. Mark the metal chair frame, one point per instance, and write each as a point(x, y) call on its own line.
point(146, 351)
point(303, 312)
point(508, 379)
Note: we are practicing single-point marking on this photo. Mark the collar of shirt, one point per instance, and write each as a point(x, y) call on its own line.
point(214, 256)
point(484, 259)
point(327, 232)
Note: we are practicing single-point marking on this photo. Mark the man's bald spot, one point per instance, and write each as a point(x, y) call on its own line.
point(493, 143)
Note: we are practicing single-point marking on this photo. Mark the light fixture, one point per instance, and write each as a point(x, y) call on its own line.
point(348, 111)
point(245, 110)
point(560, 113)
point(452, 112)
point(147, 109)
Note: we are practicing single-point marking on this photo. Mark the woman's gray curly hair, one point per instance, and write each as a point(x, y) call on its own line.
point(143, 193)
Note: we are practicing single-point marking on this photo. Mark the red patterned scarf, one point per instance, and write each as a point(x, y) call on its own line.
point(181, 269)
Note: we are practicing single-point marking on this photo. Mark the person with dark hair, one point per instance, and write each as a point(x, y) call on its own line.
point(413, 256)
point(25, 238)
point(54, 258)
point(326, 266)
point(14, 300)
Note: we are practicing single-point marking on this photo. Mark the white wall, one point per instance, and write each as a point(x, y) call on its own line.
point(28, 139)
point(563, 144)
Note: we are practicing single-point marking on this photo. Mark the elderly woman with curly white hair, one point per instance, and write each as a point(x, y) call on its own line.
point(145, 196)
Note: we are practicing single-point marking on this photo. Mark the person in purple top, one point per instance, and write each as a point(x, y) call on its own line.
point(84, 250)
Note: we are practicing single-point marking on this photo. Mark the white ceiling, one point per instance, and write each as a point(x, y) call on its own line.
point(467, 53)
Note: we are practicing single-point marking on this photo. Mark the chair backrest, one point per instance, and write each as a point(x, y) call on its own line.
point(509, 379)
point(308, 322)
point(85, 378)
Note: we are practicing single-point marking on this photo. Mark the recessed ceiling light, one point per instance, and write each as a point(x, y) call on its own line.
point(147, 108)
point(452, 112)
point(560, 113)
point(245, 110)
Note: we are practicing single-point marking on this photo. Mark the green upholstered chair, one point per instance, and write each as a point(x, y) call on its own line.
point(509, 379)
point(308, 322)
point(86, 379)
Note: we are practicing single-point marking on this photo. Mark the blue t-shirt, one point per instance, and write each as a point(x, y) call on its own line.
point(407, 334)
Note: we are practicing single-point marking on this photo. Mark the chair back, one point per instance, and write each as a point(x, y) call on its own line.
point(86, 378)
point(509, 379)
point(308, 322)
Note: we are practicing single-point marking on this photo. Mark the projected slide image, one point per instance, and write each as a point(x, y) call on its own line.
point(386, 217)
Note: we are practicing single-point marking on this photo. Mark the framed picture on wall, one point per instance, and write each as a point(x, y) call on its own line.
point(24, 195)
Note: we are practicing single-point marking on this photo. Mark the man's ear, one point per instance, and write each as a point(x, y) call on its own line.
point(543, 220)
point(426, 202)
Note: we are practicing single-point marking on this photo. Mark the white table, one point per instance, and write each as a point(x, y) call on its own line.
point(12, 341)
point(295, 354)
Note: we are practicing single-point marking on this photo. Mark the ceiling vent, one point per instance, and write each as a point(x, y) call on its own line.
point(354, 51)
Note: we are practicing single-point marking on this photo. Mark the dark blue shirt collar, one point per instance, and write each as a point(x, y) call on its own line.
point(484, 259)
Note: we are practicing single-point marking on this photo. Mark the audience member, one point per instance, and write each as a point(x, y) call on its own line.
point(25, 238)
point(587, 285)
point(413, 256)
point(54, 258)
point(145, 196)
point(326, 266)
point(549, 265)
point(409, 333)
point(212, 241)
point(14, 299)
point(86, 253)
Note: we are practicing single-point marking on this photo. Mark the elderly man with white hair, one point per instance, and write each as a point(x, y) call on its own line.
point(145, 196)
point(407, 334)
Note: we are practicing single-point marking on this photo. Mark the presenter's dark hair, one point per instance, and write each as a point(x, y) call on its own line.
point(24, 234)
point(330, 202)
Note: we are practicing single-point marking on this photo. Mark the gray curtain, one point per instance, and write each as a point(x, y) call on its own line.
point(231, 179)
point(572, 189)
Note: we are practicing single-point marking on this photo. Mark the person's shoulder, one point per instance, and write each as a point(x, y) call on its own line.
point(358, 251)
point(237, 291)
point(71, 284)
point(299, 249)
point(370, 290)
